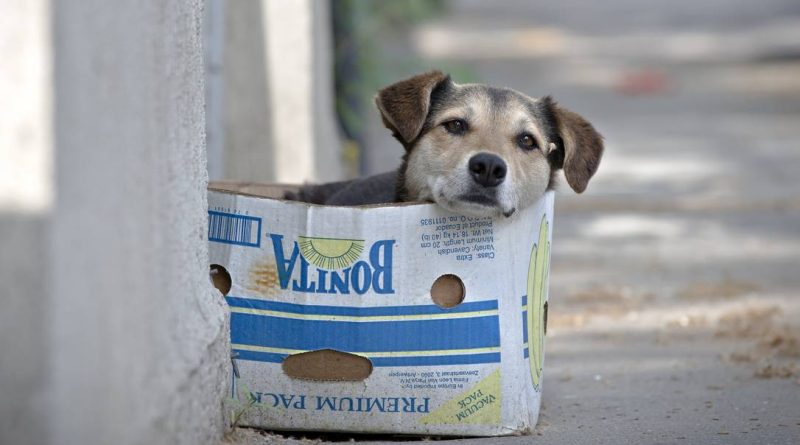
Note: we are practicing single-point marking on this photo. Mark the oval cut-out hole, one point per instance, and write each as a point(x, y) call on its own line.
point(327, 364)
point(448, 291)
point(221, 278)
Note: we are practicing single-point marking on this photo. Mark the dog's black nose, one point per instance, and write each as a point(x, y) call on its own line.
point(487, 169)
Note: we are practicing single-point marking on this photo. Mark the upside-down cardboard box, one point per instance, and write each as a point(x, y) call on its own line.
point(351, 318)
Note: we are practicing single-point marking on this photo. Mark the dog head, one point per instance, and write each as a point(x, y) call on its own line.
point(481, 150)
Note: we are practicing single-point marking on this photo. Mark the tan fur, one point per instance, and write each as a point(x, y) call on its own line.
point(404, 105)
point(436, 165)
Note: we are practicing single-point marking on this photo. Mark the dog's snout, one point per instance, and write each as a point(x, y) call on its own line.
point(487, 169)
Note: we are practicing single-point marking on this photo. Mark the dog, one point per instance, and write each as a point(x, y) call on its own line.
point(472, 149)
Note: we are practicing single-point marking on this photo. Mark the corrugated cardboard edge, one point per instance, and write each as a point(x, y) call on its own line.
point(275, 192)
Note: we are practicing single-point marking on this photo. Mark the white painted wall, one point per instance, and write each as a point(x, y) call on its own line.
point(289, 50)
point(110, 330)
point(25, 170)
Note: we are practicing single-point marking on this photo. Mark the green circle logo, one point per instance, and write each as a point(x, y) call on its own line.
point(538, 270)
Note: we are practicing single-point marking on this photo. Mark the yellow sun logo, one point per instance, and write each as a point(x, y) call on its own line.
point(330, 253)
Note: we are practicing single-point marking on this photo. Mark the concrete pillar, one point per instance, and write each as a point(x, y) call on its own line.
point(26, 197)
point(289, 49)
point(138, 335)
point(214, 19)
point(247, 152)
point(278, 93)
point(328, 159)
point(110, 332)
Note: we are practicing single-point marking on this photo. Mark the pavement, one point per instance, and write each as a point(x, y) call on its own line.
point(675, 281)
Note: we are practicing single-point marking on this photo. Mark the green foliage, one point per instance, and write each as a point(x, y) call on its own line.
point(367, 59)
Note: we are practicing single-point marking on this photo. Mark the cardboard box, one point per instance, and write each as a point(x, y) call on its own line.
point(335, 327)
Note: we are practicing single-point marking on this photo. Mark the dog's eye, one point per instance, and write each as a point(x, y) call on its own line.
point(527, 142)
point(456, 126)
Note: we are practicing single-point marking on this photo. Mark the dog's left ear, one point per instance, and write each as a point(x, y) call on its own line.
point(582, 145)
point(404, 105)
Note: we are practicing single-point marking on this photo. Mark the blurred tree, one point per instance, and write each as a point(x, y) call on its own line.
point(359, 67)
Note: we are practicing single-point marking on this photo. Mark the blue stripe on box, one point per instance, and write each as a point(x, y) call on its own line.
point(465, 359)
point(259, 356)
point(524, 326)
point(293, 308)
point(365, 337)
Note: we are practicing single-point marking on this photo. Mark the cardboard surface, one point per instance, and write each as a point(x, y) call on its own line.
point(359, 280)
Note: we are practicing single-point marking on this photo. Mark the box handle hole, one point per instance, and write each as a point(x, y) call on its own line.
point(448, 291)
point(327, 364)
point(221, 279)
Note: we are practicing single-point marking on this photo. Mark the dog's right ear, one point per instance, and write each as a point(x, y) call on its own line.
point(404, 105)
point(582, 145)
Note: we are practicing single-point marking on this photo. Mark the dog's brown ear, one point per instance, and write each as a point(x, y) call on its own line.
point(405, 104)
point(582, 144)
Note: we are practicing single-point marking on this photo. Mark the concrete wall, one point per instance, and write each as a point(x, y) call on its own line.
point(110, 330)
point(328, 157)
point(139, 334)
point(247, 148)
point(26, 196)
point(277, 96)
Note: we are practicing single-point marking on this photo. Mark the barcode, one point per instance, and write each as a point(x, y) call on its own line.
point(230, 228)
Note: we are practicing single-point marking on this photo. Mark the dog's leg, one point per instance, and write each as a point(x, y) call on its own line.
point(377, 189)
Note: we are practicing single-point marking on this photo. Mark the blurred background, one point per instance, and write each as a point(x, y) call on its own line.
point(674, 288)
point(675, 278)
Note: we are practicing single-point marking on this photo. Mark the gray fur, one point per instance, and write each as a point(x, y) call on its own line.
point(376, 189)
